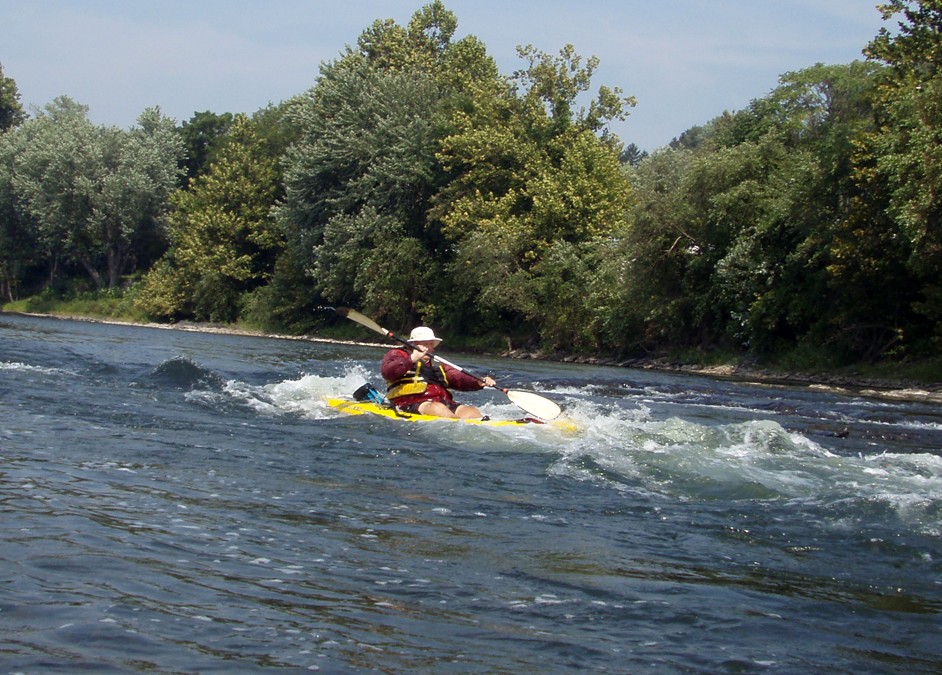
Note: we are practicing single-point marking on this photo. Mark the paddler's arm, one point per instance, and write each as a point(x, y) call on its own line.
point(396, 363)
point(462, 381)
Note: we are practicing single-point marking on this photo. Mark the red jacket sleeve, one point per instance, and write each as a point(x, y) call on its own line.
point(462, 381)
point(396, 363)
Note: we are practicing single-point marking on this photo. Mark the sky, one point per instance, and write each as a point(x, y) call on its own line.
point(685, 61)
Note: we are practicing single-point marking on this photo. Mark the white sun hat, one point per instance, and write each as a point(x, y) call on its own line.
point(423, 334)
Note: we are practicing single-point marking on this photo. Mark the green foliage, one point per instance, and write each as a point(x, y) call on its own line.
point(202, 135)
point(95, 196)
point(223, 241)
point(646, 266)
point(19, 248)
point(913, 49)
point(562, 280)
point(905, 153)
point(286, 303)
point(555, 83)
point(117, 304)
point(361, 175)
point(367, 150)
point(527, 175)
point(752, 233)
point(11, 111)
point(369, 259)
point(415, 182)
point(631, 154)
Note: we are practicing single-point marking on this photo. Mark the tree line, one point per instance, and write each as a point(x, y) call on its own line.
point(416, 182)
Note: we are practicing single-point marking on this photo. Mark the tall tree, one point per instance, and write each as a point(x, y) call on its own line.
point(738, 232)
point(202, 135)
point(94, 193)
point(54, 182)
point(11, 111)
point(908, 146)
point(782, 270)
point(223, 239)
point(360, 178)
point(527, 171)
point(131, 203)
point(18, 245)
point(642, 284)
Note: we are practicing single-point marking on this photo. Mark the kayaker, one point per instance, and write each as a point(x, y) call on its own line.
point(416, 383)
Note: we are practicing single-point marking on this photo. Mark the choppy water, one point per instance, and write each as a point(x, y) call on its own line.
point(184, 502)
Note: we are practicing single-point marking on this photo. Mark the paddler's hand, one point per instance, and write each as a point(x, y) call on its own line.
point(488, 381)
point(419, 354)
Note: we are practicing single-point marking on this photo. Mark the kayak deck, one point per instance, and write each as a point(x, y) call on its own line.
point(369, 408)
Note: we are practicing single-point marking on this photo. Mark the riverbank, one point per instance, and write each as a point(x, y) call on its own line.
point(882, 388)
point(888, 389)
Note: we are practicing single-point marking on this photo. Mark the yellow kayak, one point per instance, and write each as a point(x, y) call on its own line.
point(349, 407)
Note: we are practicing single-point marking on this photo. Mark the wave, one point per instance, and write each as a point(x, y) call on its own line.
point(304, 397)
point(677, 458)
point(183, 373)
point(634, 449)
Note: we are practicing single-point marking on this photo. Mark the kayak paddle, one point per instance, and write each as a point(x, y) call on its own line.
point(536, 405)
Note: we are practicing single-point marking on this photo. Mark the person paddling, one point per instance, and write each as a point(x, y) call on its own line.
point(416, 383)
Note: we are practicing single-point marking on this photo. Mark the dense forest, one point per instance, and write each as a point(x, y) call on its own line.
point(417, 183)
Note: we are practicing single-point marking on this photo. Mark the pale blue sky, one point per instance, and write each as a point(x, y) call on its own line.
point(686, 61)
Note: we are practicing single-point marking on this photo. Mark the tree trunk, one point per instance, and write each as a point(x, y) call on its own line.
point(117, 259)
point(92, 272)
point(53, 269)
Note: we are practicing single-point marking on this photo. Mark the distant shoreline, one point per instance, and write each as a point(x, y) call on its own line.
point(882, 389)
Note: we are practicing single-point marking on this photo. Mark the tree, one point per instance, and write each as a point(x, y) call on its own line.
point(907, 148)
point(780, 271)
point(18, 246)
point(11, 112)
point(641, 287)
point(555, 83)
point(140, 172)
point(94, 195)
point(223, 240)
point(202, 135)
point(527, 172)
point(632, 154)
point(365, 161)
point(750, 233)
point(52, 185)
point(361, 176)
point(914, 52)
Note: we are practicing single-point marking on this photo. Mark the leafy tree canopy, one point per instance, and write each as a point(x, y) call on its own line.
point(223, 240)
point(94, 195)
point(11, 111)
point(202, 135)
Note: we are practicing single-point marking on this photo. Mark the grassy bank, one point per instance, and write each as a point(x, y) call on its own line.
point(799, 365)
point(120, 306)
point(112, 305)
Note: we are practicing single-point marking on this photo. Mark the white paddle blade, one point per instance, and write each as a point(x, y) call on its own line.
point(361, 319)
point(536, 405)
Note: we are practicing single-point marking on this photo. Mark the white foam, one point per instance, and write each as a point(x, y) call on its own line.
point(304, 396)
point(25, 367)
point(678, 458)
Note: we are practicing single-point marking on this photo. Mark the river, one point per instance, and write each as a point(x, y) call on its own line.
point(176, 501)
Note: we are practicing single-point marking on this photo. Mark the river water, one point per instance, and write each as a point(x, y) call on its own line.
point(176, 501)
